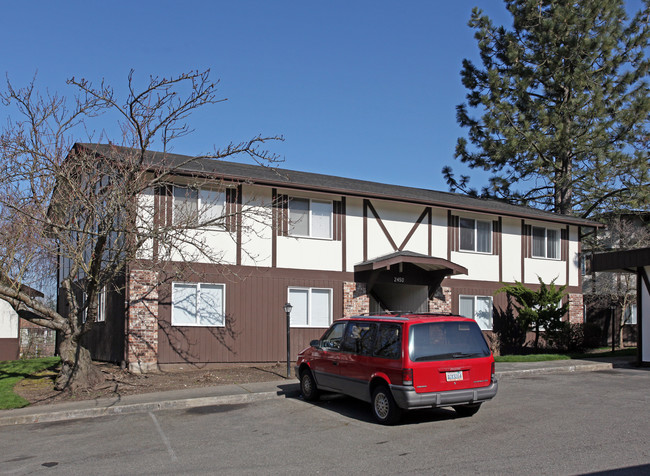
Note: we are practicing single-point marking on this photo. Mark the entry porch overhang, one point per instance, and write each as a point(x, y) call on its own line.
point(406, 267)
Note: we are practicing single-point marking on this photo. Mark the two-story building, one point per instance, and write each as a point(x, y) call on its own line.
point(330, 246)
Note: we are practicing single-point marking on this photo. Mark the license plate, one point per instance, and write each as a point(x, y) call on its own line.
point(454, 376)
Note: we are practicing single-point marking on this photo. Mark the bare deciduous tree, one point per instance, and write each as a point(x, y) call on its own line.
point(83, 212)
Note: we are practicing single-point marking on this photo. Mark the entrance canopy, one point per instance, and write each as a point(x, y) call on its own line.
point(406, 267)
point(632, 261)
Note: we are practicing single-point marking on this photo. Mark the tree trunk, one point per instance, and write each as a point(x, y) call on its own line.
point(77, 370)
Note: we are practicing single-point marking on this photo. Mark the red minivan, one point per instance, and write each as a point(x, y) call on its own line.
point(401, 362)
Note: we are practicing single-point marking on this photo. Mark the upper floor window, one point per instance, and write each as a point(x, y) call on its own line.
point(312, 218)
point(475, 235)
point(193, 206)
point(546, 243)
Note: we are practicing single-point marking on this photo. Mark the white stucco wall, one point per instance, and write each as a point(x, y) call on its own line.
point(511, 249)
point(309, 253)
point(8, 321)
point(645, 319)
point(257, 229)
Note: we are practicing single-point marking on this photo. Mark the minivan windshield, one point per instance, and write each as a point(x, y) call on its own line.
point(445, 341)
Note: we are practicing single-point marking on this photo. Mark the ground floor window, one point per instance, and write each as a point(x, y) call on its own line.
point(312, 307)
point(630, 314)
point(198, 304)
point(478, 308)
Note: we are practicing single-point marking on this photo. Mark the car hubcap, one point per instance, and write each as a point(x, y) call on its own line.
point(381, 405)
point(306, 385)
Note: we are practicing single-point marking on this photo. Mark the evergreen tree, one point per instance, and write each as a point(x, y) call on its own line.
point(564, 105)
point(537, 310)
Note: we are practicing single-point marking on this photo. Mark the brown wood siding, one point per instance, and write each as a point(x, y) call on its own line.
point(255, 324)
point(475, 288)
point(106, 339)
point(8, 348)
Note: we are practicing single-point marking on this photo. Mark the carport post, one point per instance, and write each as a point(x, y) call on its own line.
point(287, 309)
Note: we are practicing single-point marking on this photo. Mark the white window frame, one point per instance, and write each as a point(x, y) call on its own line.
point(101, 306)
point(476, 240)
point(310, 317)
point(201, 207)
point(474, 307)
point(630, 316)
point(198, 322)
point(310, 232)
point(558, 246)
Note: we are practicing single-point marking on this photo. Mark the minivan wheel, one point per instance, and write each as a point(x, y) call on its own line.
point(384, 408)
point(308, 386)
point(467, 410)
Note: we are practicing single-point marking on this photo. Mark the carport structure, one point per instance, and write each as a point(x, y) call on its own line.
point(632, 261)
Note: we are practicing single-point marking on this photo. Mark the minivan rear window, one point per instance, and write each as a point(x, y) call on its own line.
point(446, 341)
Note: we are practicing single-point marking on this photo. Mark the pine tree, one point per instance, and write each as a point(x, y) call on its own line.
point(564, 106)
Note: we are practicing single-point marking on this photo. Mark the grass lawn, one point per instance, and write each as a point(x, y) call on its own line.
point(604, 352)
point(13, 371)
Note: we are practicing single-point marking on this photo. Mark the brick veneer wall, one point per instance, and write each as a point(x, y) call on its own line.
point(442, 305)
point(576, 309)
point(36, 341)
point(142, 321)
point(355, 299)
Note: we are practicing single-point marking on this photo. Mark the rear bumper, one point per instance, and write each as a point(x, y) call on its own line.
point(406, 398)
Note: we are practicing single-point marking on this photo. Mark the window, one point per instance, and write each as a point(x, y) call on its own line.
point(192, 205)
point(332, 338)
point(310, 218)
point(478, 308)
point(198, 304)
point(445, 340)
point(389, 342)
point(630, 314)
point(101, 306)
point(312, 307)
point(546, 243)
point(359, 338)
point(475, 235)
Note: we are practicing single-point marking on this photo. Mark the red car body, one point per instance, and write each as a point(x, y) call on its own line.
point(401, 362)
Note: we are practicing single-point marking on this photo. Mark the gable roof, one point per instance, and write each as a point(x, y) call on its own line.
point(293, 179)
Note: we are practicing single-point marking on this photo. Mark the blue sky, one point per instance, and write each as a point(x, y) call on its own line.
point(363, 89)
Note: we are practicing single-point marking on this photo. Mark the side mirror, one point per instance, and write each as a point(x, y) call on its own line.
point(315, 343)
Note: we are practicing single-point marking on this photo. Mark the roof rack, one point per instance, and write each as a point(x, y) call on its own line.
point(401, 314)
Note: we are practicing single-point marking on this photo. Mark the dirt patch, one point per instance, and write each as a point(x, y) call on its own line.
point(39, 389)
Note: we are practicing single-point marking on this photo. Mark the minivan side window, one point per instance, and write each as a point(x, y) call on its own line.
point(389, 341)
point(359, 338)
point(332, 338)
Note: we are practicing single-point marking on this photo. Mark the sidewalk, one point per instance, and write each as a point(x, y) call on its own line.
point(252, 392)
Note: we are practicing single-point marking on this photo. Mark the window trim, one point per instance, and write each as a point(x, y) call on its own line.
point(558, 245)
point(198, 312)
point(101, 306)
point(476, 240)
point(310, 219)
point(309, 306)
point(475, 298)
point(199, 203)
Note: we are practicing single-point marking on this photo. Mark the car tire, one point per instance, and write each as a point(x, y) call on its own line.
point(308, 386)
point(384, 408)
point(467, 410)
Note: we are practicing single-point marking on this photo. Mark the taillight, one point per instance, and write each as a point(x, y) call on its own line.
point(407, 376)
point(492, 372)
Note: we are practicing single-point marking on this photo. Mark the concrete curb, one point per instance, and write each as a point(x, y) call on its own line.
point(557, 369)
point(249, 394)
point(49, 416)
